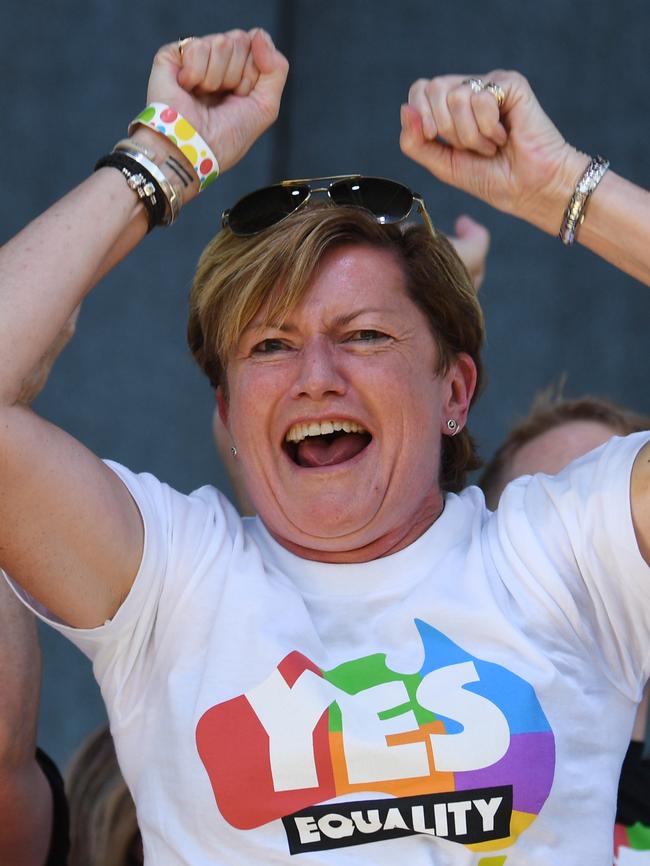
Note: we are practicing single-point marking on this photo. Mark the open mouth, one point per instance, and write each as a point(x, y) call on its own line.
point(325, 443)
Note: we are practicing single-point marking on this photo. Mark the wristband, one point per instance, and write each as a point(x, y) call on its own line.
point(168, 122)
point(576, 209)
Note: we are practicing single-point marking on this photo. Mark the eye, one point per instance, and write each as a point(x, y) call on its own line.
point(269, 346)
point(367, 335)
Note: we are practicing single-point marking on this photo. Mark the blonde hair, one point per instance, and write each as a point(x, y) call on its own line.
point(103, 823)
point(237, 277)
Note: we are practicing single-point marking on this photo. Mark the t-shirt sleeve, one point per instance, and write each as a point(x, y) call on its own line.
point(180, 532)
point(571, 541)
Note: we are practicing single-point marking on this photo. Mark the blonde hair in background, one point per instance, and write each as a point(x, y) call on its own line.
point(103, 824)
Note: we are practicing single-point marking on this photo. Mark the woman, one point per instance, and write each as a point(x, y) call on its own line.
point(376, 667)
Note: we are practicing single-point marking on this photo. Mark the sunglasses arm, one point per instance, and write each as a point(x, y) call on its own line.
point(422, 210)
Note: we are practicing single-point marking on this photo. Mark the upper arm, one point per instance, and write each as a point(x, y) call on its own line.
point(70, 532)
point(640, 497)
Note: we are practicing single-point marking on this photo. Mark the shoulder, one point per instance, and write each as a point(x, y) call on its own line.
point(161, 504)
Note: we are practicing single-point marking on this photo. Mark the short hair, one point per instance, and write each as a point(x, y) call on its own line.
point(238, 276)
point(549, 410)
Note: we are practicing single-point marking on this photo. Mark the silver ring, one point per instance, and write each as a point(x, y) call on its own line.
point(497, 92)
point(476, 84)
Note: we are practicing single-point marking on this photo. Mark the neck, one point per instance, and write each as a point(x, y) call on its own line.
point(385, 545)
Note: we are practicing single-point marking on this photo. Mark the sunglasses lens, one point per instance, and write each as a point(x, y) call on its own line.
point(265, 207)
point(387, 200)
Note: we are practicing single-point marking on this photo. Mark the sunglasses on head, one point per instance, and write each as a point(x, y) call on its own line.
point(387, 200)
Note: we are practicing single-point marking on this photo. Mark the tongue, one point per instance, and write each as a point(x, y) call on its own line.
point(324, 451)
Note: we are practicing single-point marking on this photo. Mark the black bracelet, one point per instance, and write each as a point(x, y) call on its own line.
point(141, 182)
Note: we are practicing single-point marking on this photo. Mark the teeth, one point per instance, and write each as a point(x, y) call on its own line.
point(298, 432)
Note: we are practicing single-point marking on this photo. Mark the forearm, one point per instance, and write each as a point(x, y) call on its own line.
point(617, 226)
point(50, 266)
point(616, 223)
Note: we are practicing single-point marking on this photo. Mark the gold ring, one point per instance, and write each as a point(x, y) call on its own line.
point(182, 43)
point(497, 92)
point(476, 84)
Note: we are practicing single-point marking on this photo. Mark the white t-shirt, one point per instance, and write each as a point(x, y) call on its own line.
point(467, 700)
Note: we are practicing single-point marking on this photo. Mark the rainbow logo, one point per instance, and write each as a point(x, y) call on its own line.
point(459, 750)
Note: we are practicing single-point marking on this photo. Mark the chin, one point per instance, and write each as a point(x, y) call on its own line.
point(327, 526)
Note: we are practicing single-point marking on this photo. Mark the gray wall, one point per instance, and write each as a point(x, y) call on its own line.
point(73, 74)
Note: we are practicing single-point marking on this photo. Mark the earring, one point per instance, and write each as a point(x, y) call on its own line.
point(233, 450)
point(453, 427)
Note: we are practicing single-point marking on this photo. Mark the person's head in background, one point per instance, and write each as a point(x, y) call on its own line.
point(103, 824)
point(555, 432)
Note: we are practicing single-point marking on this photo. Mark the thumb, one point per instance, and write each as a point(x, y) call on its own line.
point(432, 154)
point(273, 68)
point(469, 229)
point(472, 242)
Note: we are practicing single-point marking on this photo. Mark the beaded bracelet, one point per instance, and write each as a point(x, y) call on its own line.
point(576, 210)
point(141, 182)
point(168, 191)
point(167, 121)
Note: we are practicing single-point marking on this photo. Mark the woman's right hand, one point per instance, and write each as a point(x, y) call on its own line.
point(227, 85)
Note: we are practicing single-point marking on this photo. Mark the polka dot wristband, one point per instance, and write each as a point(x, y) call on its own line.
point(173, 125)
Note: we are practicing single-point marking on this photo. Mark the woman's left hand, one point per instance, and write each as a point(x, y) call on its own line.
point(511, 156)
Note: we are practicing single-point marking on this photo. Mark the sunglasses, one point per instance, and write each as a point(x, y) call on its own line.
point(387, 200)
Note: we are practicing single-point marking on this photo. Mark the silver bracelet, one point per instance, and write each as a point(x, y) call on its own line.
point(575, 212)
point(173, 200)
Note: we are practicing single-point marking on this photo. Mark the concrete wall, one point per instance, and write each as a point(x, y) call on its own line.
point(74, 73)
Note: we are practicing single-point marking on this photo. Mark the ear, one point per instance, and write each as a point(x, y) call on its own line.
point(461, 379)
point(220, 433)
point(222, 405)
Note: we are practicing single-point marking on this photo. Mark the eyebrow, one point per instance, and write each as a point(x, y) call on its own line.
point(339, 321)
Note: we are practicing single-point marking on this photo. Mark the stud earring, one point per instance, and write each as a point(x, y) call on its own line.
point(452, 426)
point(233, 450)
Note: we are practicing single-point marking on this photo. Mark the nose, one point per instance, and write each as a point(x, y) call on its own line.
point(318, 374)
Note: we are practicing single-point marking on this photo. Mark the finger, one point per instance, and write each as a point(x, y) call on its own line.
point(433, 155)
point(488, 117)
point(273, 70)
point(437, 92)
point(418, 98)
point(241, 48)
point(460, 101)
point(250, 74)
point(472, 243)
point(196, 71)
point(221, 49)
point(429, 96)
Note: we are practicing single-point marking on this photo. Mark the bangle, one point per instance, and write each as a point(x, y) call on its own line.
point(576, 210)
point(167, 121)
point(171, 198)
point(178, 168)
point(142, 183)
